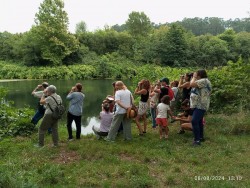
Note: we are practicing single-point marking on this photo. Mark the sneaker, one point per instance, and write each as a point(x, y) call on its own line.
point(181, 132)
point(196, 143)
point(166, 136)
point(70, 139)
point(38, 146)
point(108, 140)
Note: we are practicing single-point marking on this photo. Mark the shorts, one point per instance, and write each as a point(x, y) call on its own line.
point(162, 121)
point(143, 107)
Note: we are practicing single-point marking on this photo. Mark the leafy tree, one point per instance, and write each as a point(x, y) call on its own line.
point(138, 24)
point(51, 32)
point(81, 27)
point(172, 48)
point(243, 45)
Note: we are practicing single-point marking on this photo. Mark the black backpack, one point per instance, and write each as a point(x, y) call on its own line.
point(58, 112)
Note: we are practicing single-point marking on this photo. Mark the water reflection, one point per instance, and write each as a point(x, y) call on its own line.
point(87, 129)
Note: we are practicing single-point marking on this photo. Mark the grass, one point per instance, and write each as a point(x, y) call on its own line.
point(144, 162)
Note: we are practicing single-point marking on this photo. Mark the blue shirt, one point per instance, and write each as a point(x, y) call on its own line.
point(76, 103)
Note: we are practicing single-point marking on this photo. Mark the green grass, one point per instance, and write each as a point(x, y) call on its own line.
point(144, 162)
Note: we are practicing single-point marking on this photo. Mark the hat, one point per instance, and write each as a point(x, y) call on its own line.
point(131, 113)
point(164, 80)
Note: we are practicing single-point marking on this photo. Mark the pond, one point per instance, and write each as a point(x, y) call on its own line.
point(19, 91)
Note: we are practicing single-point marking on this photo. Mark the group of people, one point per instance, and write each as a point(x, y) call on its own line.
point(161, 98)
point(48, 100)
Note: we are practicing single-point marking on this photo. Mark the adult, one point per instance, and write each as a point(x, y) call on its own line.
point(154, 102)
point(106, 118)
point(38, 93)
point(185, 118)
point(123, 99)
point(48, 121)
point(174, 103)
point(76, 98)
point(199, 101)
point(184, 84)
point(142, 89)
point(163, 90)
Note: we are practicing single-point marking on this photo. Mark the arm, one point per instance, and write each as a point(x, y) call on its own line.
point(140, 92)
point(193, 81)
point(43, 100)
point(121, 105)
point(35, 90)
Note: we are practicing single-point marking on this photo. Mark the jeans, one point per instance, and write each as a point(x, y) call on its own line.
point(153, 116)
point(197, 124)
point(38, 115)
point(77, 119)
point(116, 122)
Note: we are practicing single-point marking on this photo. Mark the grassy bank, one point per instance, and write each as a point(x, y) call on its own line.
point(144, 162)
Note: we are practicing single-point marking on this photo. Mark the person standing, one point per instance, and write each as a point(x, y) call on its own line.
point(199, 102)
point(48, 121)
point(38, 93)
point(123, 100)
point(76, 98)
point(143, 89)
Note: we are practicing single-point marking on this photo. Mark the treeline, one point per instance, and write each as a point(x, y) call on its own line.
point(201, 26)
point(48, 42)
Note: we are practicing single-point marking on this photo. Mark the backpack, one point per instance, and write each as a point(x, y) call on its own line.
point(58, 112)
point(170, 93)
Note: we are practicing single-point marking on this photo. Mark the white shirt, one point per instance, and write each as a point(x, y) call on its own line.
point(124, 97)
point(162, 110)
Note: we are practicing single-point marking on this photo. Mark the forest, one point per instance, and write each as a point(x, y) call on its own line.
point(192, 42)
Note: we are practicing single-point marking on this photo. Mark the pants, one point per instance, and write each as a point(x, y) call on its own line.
point(153, 116)
point(48, 122)
point(115, 124)
point(197, 124)
point(38, 115)
point(77, 120)
point(98, 132)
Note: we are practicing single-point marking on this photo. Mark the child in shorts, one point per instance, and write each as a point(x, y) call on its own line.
point(162, 112)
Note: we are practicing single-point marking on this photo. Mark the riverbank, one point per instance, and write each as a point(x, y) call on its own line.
point(221, 161)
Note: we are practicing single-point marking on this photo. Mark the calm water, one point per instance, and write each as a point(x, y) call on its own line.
point(95, 91)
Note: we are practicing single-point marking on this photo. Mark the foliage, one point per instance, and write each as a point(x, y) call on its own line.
point(138, 24)
point(51, 34)
point(14, 122)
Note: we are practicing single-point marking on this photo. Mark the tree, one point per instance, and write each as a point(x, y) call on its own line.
point(138, 24)
point(51, 32)
point(81, 27)
point(172, 48)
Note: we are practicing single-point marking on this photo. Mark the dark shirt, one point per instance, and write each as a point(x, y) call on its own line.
point(164, 91)
point(186, 93)
point(144, 98)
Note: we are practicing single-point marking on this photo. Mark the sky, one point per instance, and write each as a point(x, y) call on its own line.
point(17, 16)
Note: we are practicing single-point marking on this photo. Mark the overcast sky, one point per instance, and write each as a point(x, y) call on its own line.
point(18, 15)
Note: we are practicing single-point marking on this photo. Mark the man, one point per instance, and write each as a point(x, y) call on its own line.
point(48, 121)
point(38, 93)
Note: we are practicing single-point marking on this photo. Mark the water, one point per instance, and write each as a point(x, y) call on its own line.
point(95, 92)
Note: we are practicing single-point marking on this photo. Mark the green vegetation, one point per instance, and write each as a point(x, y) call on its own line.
point(144, 162)
point(14, 122)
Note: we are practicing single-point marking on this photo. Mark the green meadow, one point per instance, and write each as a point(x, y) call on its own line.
point(221, 161)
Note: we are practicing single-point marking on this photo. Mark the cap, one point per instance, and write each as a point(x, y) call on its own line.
point(164, 80)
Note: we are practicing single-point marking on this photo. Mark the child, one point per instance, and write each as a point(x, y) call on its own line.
point(162, 112)
point(106, 118)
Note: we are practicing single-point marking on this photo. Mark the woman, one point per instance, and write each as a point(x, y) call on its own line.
point(106, 118)
point(199, 101)
point(76, 98)
point(154, 102)
point(123, 101)
point(184, 84)
point(143, 90)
